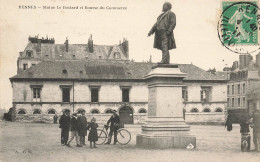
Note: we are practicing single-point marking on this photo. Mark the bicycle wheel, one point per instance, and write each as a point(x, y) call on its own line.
point(123, 136)
point(102, 137)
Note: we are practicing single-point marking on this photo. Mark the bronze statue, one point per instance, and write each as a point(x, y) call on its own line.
point(163, 29)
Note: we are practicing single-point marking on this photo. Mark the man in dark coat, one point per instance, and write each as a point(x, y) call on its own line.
point(74, 130)
point(163, 29)
point(114, 120)
point(82, 128)
point(256, 129)
point(65, 126)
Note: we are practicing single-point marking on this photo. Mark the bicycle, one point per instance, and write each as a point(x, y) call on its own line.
point(123, 135)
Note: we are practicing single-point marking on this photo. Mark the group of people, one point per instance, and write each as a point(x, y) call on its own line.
point(78, 126)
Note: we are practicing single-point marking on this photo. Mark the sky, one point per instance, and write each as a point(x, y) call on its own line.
point(195, 33)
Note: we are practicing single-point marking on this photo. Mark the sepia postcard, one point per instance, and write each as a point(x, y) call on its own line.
point(130, 80)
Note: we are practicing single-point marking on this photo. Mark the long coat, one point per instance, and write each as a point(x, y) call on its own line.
point(92, 136)
point(82, 125)
point(64, 122)
point(166, 22)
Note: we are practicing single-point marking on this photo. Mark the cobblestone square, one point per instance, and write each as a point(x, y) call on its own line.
point(41, 142)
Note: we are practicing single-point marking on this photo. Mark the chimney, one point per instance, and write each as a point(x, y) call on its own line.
point(67, 44)
point(90, 44)
point(258, 60)
point(234, 66)
point(244, 61)
point(125, 46)
point(38, 49)
point(150, 59)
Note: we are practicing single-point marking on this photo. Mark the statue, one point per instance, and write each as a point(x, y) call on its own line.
point(163, 29)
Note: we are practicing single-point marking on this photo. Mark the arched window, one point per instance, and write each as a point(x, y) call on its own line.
point(37, 111)
point(21, 112)
point(52, 111)
point(206, 110)
point(117, 55)
point(194, 110)
point(142, 110)
point(108, 111)
point(94, 111)
point(79, 111)
point(219, 110)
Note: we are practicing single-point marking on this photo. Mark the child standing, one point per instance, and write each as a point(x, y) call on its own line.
point(92, 136)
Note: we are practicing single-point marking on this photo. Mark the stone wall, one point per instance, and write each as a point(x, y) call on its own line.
point(58, 108)
point(34, 118)
point(51, 91)
point(211, 118)
point(139, 118)
point(200, 106)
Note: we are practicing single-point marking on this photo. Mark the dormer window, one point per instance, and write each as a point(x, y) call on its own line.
point(117, 55)
point(29, 53)
point(25, 66)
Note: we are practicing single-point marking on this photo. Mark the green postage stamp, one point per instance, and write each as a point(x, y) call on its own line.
point(239, 23)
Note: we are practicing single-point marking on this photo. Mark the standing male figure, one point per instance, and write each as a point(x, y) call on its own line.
point(82, 127)
point(114, 120)
point(65, 126)
point(163, 29)
point(256, 129)
point(55, 119)
point(74, 130)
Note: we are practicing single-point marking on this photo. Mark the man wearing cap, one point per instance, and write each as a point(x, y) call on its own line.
point(163, 29)
point(65, 126)
point(114, 120)
point(82, 127)
point(74, 130)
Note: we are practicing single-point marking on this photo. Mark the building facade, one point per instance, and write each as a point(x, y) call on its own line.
point(243, 80)
point(253, 99)
point(44, 49)
point(99, 86)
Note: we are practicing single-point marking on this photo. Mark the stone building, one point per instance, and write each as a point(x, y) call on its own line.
point(44, 49)
point(243, 79)
point(100, 85)
point(253, 98)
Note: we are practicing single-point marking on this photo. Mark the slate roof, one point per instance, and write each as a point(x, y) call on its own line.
point(104, 69)
point(49, 52)
point(80, 51)
point(223, 74)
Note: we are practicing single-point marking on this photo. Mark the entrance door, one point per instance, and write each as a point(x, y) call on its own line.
point(126, 115)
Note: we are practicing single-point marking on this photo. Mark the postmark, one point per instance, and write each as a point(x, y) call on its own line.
point(238, 26)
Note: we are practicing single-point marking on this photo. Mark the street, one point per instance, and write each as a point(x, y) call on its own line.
point(41, 142)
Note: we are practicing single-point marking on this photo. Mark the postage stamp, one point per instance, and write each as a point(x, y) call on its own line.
point(238, 27)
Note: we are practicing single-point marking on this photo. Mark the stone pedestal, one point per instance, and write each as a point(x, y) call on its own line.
point(165, 126)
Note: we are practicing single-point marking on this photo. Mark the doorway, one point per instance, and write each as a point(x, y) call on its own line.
point(126, 115)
